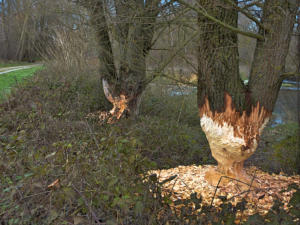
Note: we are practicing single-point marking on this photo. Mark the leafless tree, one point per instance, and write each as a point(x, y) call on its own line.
point(233, 114)
point(27, 27)
point(125, 33)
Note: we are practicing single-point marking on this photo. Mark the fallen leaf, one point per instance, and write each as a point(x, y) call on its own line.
point(54, 184)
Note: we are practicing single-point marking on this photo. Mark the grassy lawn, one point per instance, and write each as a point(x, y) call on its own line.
point(8, 80)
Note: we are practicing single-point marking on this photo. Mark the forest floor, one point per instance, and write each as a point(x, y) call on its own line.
point(59, 167)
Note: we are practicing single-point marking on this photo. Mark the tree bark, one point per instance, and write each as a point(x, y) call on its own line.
point(298, 94)
point(3, 28)
point(5, 16)
point(270, 54)
point(99, 23)
point(233, 115)
point(124, 83)
point(218, 63)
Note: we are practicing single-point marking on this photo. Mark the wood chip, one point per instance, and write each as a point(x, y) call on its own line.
point(190, 179)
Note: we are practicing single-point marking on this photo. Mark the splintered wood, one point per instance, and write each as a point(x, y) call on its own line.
point(190, 179)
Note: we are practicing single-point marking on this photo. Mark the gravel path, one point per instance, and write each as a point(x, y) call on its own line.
point(15, 68)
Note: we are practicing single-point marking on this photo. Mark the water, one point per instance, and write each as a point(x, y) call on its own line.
point(285, 110)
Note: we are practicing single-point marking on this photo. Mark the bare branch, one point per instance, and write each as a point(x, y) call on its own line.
point(254, 3)
point(234, 29)
point(159, 70)
point(249, 15)
point(289, 74)
point(178, 81)
point(94, 216)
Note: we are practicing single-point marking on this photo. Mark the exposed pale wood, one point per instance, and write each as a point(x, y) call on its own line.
point(124, 67)
point(232, 136)
point(233, 115)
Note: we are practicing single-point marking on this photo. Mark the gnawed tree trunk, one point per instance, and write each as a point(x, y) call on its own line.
point(233, 115)
point(131, 26)
point(121, 103)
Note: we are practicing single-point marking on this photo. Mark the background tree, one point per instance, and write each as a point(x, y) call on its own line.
point(233, 114)
point(298, 94)
point(28, 27)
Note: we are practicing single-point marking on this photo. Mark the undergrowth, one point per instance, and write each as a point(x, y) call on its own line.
point(57, 167)
point(280, 147)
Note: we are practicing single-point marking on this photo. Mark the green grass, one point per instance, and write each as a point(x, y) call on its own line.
point(8, 80)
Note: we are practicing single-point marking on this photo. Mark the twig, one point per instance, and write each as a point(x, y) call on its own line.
point(180, 107)
point(289, 74)
point(249, 15)
point(26, 204)
point(178, 81)
point(252, 181)
point(191, 189)
point(254, 3)
point(250, 185)
point(249, 190)
point(29, 196)
point(158, 72)
point(94, 216)
point(168, 180)
point(243, 192)
point(93, 136)
point(213, 198)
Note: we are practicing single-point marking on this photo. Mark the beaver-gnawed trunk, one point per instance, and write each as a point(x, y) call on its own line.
point(232, 114)
point(124, 43)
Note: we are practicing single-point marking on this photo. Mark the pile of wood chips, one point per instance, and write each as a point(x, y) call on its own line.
point(190, 179)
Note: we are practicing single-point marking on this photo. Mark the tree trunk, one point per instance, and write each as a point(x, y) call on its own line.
point(124, 84)
point(298, 94)
point(123, 104)
point(6, 16)
point(231, 114)
point(270, 54)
